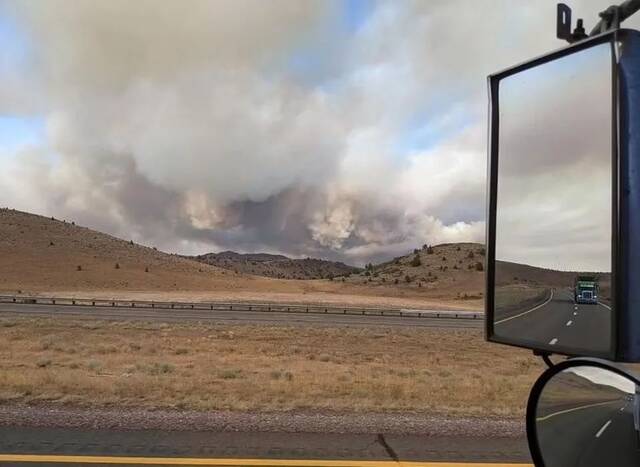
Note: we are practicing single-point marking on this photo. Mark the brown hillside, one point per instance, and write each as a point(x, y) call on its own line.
point(43, 255)
point(447, 270)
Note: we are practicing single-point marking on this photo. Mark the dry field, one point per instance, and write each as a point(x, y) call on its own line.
point(245, 367)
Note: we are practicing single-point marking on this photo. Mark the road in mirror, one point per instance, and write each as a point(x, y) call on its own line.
point(553, 224)
point(588, 416)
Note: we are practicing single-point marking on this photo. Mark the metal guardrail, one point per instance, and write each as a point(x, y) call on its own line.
point(238, 306)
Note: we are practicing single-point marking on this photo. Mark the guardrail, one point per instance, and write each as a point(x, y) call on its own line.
point(238, 306)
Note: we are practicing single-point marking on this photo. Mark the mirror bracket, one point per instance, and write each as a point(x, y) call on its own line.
point(563, 25)
point(545, 357)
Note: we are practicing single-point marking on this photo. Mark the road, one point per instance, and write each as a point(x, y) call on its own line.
point(560, 322)
point(225, 316)
point(230, 448)
point(590, 435)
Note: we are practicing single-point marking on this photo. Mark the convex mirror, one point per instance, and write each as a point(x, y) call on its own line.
point(585, 413)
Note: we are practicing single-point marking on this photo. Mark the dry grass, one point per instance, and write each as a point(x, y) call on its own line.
point(245, 367)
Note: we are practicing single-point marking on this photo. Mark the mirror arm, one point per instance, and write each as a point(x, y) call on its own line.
point(614, 15)
point(545, 357)
point(609, 19)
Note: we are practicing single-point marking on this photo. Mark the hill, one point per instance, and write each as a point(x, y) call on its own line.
point(449, 269)
point(276, 266)
point(44, 255)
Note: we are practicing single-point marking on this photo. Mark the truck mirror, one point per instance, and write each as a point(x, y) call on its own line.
point(584, 412)
point(564, 201)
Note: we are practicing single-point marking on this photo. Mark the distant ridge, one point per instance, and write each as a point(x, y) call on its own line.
point(277, 266)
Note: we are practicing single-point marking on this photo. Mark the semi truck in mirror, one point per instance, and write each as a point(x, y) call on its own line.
point(585, 290)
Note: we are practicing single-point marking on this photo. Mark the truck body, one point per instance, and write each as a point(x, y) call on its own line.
point(585, 290)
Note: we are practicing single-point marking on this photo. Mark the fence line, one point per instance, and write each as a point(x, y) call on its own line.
point(239, 306)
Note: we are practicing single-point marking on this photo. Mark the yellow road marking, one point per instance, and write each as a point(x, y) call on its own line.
point(237, 462)
point(547, 417)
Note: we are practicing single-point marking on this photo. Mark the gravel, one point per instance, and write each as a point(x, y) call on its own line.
point(288, 422)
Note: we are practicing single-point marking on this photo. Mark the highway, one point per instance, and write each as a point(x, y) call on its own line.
point(228, 316)
point(44, 446)
point(560, 322)
point(590, 435)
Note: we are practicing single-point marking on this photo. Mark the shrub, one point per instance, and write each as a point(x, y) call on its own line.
point(481, 251)
point(79, 268)
point(146, 269)
point(415, 262)
point(416, 251)
point(117, 265)
point(130, 242)
point(395, 281)
point(407, 278)
point(429, 250)
point(470, 255)
point(367, 273)
point(51, 243)
point(444, 258)
point(43, 363)
point(458, 248)
point(479, 266)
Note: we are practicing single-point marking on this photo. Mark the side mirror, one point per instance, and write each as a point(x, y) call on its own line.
point(563, 230)
point(584, 412)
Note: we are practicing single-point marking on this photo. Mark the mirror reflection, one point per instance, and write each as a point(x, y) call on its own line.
point(553, 220)
point(588, 416)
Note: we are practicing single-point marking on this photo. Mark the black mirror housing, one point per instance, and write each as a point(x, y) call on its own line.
point(623, 333)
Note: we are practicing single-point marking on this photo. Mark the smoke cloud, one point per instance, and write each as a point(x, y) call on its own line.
point(262, 126)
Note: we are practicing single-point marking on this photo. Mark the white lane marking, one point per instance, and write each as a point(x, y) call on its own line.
point(575, 307)
point(553, 341)
point(546, 417)
point(525, 312)
point(604, 427)
point(606, 306)
point(621, 409)
point(569, 323)
point(575, 313)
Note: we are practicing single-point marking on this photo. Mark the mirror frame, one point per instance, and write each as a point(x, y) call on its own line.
point(612, 38)
point(541, 382)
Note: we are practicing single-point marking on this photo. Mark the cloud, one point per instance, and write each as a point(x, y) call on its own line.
point(190, 126)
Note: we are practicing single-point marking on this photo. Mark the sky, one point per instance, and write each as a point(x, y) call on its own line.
point(348, 130)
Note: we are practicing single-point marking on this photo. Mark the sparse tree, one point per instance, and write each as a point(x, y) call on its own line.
point(425, 246)
point(429, 250)
point(415, 262)
point(416, 251)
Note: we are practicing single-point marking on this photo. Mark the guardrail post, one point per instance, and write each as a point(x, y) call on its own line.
point(73, 302)
point(172, 305)
point(230, 307)
point(249, 307)
point(53, 302)
point(269, 308)
point(192, 306)
point(382, 313)
point(211, 307)
point(93, 303)
point(14, 299)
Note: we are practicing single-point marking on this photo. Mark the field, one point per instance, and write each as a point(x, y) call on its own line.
point(246, 367)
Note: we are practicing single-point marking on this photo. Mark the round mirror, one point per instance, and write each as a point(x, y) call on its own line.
point(584, 413)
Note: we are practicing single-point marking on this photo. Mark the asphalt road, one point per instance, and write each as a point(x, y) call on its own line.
point(560, 322)
point(223, 316)
point(590, 436)
point(53, 443)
